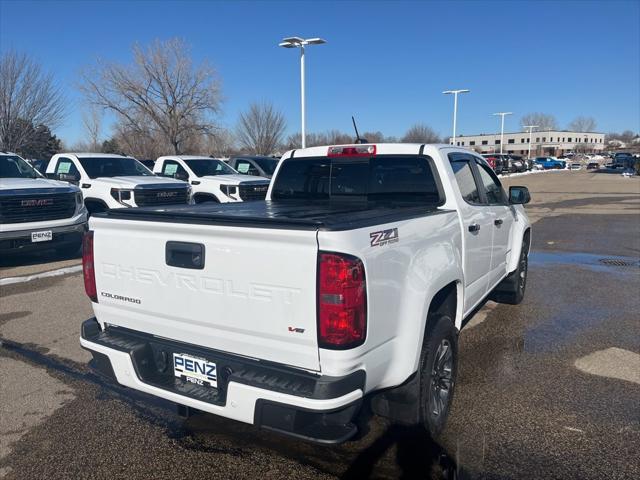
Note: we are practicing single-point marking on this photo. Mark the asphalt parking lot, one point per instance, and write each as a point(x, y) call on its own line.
point(547, 389)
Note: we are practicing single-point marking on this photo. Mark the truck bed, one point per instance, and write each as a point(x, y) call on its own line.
point(296, 215)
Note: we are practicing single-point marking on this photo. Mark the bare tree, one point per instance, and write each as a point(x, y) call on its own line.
point(261, 128)
point(28, 96)
point(420, 133)
point(222, 143)
point(161, 87)
point(92, 121)
point(374, 137)
point(543, 121)
point(583, 124)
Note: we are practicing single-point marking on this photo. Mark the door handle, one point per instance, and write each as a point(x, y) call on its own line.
point(498, 222)
point(185, 255)
point(474, 227)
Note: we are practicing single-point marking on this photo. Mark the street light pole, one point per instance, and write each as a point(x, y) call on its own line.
point(530, 127)
point(303, 127)
point(297, 42)
point(455, 108)
point(502, 114)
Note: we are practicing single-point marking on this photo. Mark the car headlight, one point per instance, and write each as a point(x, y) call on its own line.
point(120, 195)
point(79, 199)
point(229, 190)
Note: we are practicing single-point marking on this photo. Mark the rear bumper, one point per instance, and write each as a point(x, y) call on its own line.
point(274, 397)
point(19, 241)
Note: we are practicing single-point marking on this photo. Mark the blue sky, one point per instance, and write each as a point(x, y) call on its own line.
point(385, 62)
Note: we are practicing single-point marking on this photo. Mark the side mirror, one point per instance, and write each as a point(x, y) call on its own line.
point(519, 195)
point(181, 176)
point(69, 177)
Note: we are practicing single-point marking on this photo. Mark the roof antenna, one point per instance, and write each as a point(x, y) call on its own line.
point(355, 127)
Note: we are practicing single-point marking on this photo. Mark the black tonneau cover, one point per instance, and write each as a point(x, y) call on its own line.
point(287, 214)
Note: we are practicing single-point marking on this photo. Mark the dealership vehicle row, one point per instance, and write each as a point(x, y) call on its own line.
point(106, 181)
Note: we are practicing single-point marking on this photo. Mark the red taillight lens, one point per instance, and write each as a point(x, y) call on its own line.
point(342, 301)
point(88, 270)
point(352, 151)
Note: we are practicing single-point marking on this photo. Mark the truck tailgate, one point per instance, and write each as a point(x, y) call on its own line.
point(255, 295)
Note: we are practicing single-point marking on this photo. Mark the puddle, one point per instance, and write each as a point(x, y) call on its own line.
point(596, 262)
point(563, 327)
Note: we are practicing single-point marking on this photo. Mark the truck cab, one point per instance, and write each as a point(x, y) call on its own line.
point(211, 179)
point(116, 181)
point(37, 213)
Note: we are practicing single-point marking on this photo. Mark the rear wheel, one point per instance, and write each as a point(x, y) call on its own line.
point(438, 369)
point(511, 289)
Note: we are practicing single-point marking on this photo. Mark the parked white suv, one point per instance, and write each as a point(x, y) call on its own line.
point(37, 213)
point(211, 179)
point(116, 181)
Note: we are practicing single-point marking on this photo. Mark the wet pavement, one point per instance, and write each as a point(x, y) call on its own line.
point(546, 389)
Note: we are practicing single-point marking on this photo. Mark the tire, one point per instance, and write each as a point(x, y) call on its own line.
point(511, 289)
point(438, 368)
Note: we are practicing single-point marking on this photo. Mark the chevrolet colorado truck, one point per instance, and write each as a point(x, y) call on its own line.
point(349, 283)
point(212, 180)
point(116, 181)
point(36, 213)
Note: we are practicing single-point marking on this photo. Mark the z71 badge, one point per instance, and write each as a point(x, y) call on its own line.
point(384, 237)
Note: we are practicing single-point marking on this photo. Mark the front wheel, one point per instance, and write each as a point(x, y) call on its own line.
point(438, 369)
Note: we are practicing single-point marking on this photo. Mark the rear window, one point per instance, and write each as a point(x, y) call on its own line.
point(383, 178)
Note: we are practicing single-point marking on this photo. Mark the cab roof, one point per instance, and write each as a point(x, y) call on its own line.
point(94, 155)
point(188, 157)
point(380, 149)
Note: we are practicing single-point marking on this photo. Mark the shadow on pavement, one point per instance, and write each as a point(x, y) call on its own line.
point(416, 456)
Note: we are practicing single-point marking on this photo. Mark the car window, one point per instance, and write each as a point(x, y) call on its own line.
point(97, 167)
point(209, 166)
point(491, 185)
point(171, 168)
point(464, 178)
point(15, 167)
point(66, 166)
point(382, 178)
point(267, 164)
point(246, 167)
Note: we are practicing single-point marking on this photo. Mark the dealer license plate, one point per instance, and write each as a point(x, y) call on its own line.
point(44, 236)
point(195, 370)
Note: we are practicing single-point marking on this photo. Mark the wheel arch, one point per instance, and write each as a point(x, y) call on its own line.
point(200, 197)
point(521, 234)
point(89, 201)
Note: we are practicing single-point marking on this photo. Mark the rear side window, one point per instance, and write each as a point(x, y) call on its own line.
point(382, 178)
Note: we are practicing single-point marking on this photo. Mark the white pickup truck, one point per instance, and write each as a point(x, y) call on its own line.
point(36, 213)
point(116, 181)
point(349, 283)
point(211, 179)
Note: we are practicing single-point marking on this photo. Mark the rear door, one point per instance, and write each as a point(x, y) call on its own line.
point(245, 291)
point(477, 224)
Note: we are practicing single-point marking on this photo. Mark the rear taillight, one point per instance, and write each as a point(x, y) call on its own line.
point(342, 301)
point(352, 151)
point(88, 270)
